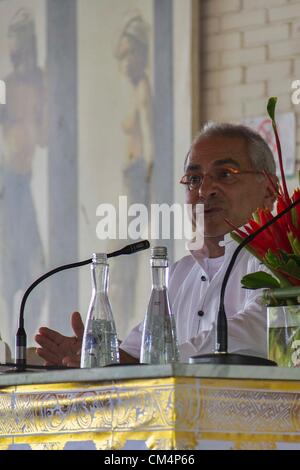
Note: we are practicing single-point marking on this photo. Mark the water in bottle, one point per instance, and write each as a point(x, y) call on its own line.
point(100, 342)
point(159, 340)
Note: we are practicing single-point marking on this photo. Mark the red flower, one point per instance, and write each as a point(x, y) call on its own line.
point(278, 245)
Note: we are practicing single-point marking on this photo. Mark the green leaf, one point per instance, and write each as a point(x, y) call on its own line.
point(296, 258)
point(284, 255)
point(291, 268)
point(294, 217)
point(259, 280)
point(271, 107)
point(295, 244)
point(272, 260)
point(255, 216)
point(236, 237)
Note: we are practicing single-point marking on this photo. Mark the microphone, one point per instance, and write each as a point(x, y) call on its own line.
point(220, 354)
point(130, 249)
point(21, 340)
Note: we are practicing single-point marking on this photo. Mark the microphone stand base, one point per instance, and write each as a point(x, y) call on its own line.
point(231, 359)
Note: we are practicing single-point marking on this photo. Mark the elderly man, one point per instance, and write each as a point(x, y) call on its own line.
point(224, 171)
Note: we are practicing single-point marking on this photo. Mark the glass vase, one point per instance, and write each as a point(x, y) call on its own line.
point(284, 335)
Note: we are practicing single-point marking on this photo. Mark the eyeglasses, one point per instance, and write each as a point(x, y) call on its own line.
point(222, 175)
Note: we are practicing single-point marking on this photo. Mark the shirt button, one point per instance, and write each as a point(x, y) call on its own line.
point(203, 278)
point(200, 313)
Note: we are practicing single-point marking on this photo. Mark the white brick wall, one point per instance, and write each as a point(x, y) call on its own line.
point(241, 92)
point(270, 70)
point(211, 26)
point(285, 49)
point(276, 86)
point(250, 51)
point(211, 61)
point(266, 35)
point(254, 4)
point(296, 29)
point(226, 113)
point(298, 135)
point(224, 41)
point(226, 77)
point(296, 70)
point(286, 12)
point(245, 19)
point(219, 7)
point(243, 56)
point(210, 97)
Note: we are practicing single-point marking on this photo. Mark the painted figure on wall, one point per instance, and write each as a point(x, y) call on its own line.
point(132, 52)
point(23, 126)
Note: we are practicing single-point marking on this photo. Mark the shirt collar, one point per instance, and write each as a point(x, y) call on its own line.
point(201, 255)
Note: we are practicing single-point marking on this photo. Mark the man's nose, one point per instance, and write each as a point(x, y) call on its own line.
point(208, 186)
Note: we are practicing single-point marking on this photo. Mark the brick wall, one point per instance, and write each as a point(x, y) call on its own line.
point(250, 51)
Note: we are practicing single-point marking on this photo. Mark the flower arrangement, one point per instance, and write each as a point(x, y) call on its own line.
point(278, 246)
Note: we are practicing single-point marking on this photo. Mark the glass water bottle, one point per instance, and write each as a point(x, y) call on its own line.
point(159, 340)
point(100, 342)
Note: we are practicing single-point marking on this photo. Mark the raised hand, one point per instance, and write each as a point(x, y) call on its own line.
point(57, 349)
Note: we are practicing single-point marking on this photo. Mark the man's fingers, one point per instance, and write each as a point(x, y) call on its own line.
point(50, 358)
point(77, 325)
point(71, 361)
point(47, 343)
point(53, 335)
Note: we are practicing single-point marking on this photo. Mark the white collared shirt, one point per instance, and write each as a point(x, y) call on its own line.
point(191, 291)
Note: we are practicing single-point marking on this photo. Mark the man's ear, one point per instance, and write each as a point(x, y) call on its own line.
point(271, 191)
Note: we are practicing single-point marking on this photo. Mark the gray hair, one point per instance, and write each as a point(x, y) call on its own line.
point(259, 152)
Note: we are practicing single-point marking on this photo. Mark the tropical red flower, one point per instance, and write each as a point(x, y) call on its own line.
point(278, 246)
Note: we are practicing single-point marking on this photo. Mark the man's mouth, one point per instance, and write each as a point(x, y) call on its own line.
point(212, 210)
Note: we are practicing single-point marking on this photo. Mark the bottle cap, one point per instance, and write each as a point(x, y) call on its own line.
point(159, 252)
point(99, 258)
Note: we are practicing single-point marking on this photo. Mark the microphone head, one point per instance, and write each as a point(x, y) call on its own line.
point(132, 248)
point(135, 247)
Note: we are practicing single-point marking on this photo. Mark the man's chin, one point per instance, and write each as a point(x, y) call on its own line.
point(216, 231)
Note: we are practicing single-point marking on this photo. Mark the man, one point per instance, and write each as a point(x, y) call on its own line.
point(224, 171)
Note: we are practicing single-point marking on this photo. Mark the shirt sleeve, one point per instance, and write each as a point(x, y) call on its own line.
point(132, 343)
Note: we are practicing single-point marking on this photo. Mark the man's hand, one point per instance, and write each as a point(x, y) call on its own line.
point(57, 349)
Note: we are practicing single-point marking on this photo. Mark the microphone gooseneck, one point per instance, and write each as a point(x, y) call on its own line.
point(220, 354)
point(21, 340)
point(221, 329)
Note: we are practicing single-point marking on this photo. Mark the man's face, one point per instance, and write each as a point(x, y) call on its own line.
point(233, 200)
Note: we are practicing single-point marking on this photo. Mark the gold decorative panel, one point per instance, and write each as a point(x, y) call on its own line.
point(167, 413)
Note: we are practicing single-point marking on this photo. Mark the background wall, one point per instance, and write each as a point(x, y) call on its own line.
point(250, 50)
point(222, 66)
point(22, 234)
point(105, 100)
point(246, 51)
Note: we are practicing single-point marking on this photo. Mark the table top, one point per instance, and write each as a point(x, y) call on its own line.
point(128, 372)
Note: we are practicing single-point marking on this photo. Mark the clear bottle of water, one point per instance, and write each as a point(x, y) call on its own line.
point(159, 340)
point(100, 342)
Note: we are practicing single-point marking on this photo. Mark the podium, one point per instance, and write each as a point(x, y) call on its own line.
point(151, 407)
